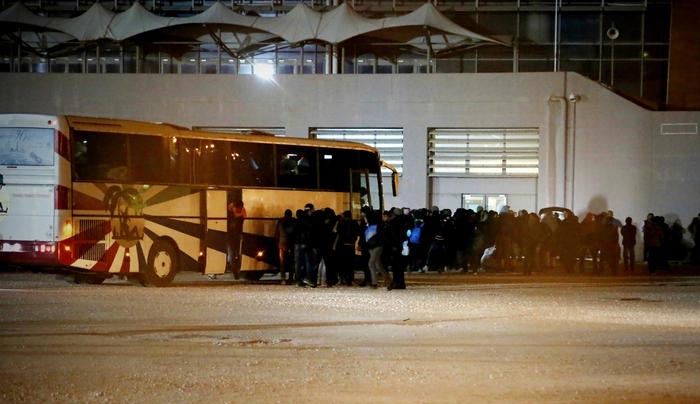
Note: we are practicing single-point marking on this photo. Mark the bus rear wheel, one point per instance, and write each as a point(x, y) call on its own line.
point(162, 265)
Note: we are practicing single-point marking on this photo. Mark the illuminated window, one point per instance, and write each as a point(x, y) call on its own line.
point(483, 152)
point(389, 141)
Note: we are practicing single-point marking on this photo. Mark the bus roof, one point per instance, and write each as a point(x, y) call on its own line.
point(28, 120)
point(82, 123)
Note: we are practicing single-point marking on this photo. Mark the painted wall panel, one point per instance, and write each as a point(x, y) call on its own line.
point(602, 152)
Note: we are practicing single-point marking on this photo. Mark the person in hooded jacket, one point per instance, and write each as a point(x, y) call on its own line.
point(286, 228)
point(396, 226)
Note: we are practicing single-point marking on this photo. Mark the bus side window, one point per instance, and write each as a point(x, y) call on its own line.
point(80, 158)
point(251, 164)
point(333, 168)
point(182, 159)
point(148, 159)
point(210, 162)
point(100, 156)
point(297, 167)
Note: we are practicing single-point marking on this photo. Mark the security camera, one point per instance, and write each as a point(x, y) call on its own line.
point(574, 97)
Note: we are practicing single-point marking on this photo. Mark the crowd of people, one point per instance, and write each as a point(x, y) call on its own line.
point(322, 248)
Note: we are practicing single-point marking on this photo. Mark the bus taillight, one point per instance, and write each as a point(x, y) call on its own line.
point(45, 248)
point(260, 255)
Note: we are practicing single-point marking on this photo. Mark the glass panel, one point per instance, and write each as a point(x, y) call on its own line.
point(629, 24)
point(208, 68)
point(537, 27)
point(536, 52)
point(449, 66)
point(495, 202)
point(575, 52)
point(335, 165)
point(297, 167)
point(657, 21)
point(188, 68)
point(580, 27)
point(228, 68)
point(149, 158)
point(505, 23)
point(628, 76)
point(365, 192)
point(182, 157)
point(100, 156)
point(210, 162)
point(251, 164)
point(494, 66)
point(472, 201)
point(385, 69)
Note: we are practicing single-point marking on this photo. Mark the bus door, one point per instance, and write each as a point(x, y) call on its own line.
point(364, 191)
point(217, 227)
point(235, 218)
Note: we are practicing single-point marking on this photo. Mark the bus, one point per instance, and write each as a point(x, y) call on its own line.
point(144, 200)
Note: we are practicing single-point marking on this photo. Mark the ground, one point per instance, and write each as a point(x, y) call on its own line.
point(448, 338)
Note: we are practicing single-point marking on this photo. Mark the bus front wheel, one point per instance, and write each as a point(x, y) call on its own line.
point(162, 264)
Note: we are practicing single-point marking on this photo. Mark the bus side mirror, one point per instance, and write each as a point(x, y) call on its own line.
point(394, 177)
point(395, 183)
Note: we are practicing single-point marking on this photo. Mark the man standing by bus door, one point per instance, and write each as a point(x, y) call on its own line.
point(236, 214)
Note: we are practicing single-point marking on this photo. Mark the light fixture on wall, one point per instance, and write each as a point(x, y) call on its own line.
point(574, 97)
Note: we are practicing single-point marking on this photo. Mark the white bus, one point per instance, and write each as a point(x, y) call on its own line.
point(108, 197)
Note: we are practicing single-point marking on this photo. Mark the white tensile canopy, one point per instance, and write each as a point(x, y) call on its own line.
point(421, 28)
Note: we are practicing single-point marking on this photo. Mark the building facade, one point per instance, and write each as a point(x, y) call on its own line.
point(566, 116)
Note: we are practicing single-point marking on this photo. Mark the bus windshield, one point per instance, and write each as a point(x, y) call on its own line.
point(26, 147)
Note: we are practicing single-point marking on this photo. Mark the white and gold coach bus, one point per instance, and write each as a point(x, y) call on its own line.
point(109, 197)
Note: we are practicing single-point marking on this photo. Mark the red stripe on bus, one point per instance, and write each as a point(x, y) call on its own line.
point(106, 262)
point(62, 197)
point(62, 145)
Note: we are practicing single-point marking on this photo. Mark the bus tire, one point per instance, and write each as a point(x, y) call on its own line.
point(162, 264)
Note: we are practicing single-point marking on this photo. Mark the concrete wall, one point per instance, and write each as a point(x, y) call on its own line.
point(601, 152)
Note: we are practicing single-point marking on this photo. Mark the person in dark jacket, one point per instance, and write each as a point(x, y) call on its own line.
point(347, 235)
point(629, 240)
point(568, 236)
point(303, 260)
point(396, 226)
point(286, 227)
point(374, 242)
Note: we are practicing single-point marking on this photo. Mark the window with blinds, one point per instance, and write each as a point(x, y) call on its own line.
point(483, 151)
point(389, 141)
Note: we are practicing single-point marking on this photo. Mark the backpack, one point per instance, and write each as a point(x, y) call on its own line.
point(414, 237)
